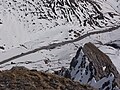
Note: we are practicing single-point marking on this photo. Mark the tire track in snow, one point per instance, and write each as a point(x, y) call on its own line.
point(54, 45)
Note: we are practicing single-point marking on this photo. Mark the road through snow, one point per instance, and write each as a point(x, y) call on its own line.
point(54, 45)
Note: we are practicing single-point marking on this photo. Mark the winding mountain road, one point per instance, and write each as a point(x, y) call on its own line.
point(54, 45)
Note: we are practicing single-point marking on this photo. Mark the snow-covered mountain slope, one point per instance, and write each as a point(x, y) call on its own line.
point(91, 66)
point(46, 34)
point(115, 4)
point(55, 20)
point(29, 24)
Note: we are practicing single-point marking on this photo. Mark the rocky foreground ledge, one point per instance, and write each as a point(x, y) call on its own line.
point(21, 78)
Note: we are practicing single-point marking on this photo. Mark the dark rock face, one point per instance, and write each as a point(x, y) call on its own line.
point(115, 44)
point(101, 60)
point(21, 78)
point(93, 67)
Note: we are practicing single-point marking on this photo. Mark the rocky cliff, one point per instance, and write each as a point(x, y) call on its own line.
point(93, 67)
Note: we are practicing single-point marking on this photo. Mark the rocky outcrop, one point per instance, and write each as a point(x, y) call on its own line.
point(91, 66)
point(102, 62)
point(21, 78)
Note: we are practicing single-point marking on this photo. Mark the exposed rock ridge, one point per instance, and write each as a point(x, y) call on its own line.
point(100, 60)
point(93, 67)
